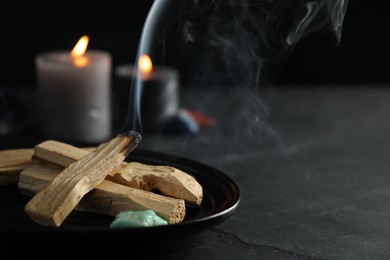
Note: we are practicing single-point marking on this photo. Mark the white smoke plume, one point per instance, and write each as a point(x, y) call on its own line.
point(237, 39)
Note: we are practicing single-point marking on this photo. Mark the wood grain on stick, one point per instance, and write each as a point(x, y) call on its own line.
point(13, 161)
point(51, 205)
point(168, 180)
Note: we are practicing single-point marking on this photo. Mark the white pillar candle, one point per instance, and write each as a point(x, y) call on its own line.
point(74, 101)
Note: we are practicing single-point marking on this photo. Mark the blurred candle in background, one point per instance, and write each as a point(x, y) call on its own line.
point(159, 92)
point(74, 91)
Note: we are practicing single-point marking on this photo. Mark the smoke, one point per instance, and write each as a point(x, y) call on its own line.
point(234, 42)
point(239, 39)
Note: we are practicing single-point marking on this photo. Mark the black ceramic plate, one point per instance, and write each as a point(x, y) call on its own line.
point(221, 198)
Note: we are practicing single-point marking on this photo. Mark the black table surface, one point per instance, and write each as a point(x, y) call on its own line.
point(312, 165)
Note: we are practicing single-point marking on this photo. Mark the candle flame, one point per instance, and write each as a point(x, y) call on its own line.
point(79, 50)
point(145, 65)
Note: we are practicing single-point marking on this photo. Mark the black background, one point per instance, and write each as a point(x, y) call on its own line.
point(362, 56)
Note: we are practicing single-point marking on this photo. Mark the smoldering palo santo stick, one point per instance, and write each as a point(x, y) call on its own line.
point(55, 201)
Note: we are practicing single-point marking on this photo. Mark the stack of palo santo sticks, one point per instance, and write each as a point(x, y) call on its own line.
point(60, 178)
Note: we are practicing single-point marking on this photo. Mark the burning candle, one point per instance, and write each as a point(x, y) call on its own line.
point(74, 93)
point(159, 93)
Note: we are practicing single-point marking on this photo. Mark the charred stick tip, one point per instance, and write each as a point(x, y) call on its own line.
point(136, 138)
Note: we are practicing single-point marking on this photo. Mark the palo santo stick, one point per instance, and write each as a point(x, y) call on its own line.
point(58, 153)
point(108, 197)
point(168, 180)
point(51, 205)
point(13, 161)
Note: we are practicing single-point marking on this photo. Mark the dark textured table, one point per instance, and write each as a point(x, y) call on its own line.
point(312, 165)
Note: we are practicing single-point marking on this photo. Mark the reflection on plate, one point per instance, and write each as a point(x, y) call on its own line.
point(221, 198)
